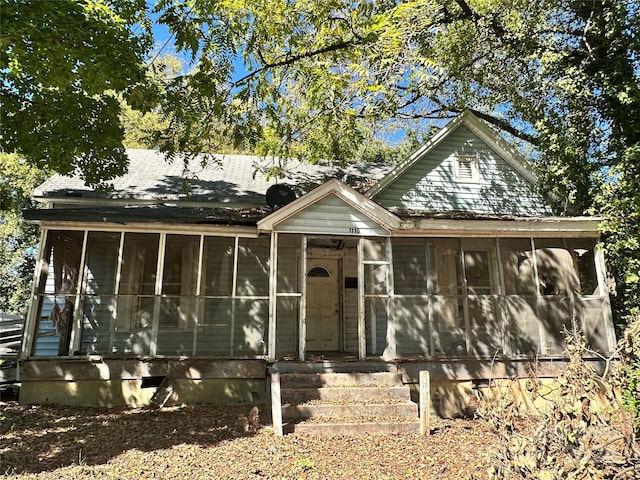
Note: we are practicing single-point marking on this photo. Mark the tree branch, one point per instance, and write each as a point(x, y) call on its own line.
point(507, 127)
point(291, 59)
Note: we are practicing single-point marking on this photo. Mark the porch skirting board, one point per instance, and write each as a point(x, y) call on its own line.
point(132, 383)
point(456, 385)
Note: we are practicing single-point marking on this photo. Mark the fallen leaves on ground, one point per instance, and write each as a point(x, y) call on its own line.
point(204, 442)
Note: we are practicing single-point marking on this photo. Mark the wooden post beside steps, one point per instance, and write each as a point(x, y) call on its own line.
point(276, 404)
point(425, 401)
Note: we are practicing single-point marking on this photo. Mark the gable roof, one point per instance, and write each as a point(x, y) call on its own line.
point(360, 212)
point(481, 130)
point(225, 181)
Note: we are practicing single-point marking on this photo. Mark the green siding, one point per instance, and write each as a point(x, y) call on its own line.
point(331, 215)
point(430, 184)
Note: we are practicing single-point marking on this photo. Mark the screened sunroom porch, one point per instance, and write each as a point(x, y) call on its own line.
point(237, 294)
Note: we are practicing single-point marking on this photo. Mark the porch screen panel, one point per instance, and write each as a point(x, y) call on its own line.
point(251, 308)
point(409, 266)
point(376, 317)
point(449, 328)
point(520, 302)
point(57, 290)
point(253, 267)
point(590, 314)
point(590, 306)
point(213, 334)
point(485, 326)
point(100, 302)
point(178, 306)
point(376, 293)
point(411, 303)
point(136, 299)
point(288, 295)
point(412, 319)
point(215, 307)
point(217, 266)
point(287, 312)
point(558, 282)
point(250, 326)
point(288, 263)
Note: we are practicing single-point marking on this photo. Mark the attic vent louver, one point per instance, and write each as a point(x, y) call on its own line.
point(467, 168)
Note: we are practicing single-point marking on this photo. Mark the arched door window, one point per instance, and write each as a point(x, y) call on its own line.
point(319, 272)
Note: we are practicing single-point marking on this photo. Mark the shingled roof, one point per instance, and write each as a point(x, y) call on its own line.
point(225, 180)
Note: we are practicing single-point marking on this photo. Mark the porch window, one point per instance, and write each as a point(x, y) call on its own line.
point(56, 292)
point(178, 304)
point(449, 327)
point(377, 281)
point(411, 304)
point(288, 295)
point(485, 329)
point(520, 301)
point(152, 294)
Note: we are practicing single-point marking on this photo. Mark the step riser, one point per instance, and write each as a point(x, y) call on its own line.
point(360, 395)
point(300, 412)
point(320, 380)
point(347, 402)
point(357, 429)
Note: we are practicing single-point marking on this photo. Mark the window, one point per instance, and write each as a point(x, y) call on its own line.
point(319, 272)
point(466, 168)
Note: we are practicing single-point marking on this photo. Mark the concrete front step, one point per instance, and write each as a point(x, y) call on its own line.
point(364, 428)
point(347, 402)
point(334, 394)
point(319, 380)
point(328, 410)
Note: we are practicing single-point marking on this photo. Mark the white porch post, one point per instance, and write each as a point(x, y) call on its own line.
point(273, 288)
point(603, 290)
point(362, 340)
point(390, 352)
point(302, 316)
point(157, 299)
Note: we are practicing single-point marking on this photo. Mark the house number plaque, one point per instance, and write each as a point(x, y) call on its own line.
point(354, 230)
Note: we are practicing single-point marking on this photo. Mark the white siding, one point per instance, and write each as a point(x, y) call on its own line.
point(332, 215)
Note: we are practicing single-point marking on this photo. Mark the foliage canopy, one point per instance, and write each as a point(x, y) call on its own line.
point(317, 79)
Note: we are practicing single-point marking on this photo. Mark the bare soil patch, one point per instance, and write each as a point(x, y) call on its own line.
point(204, 442)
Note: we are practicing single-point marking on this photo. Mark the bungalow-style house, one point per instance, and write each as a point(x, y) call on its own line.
point(450, 261)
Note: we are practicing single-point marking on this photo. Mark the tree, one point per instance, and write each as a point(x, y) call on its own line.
point(65, 68)
point(317, 79)
point(18, 239)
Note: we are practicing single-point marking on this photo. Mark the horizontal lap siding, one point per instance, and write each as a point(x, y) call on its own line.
point(331, 215)
point(430, 184)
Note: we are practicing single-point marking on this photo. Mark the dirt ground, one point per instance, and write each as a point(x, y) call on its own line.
point(205, 442)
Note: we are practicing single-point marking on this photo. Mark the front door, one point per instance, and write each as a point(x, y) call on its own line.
point(323, 305)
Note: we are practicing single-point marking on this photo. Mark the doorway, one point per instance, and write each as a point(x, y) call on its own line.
point(323, 304)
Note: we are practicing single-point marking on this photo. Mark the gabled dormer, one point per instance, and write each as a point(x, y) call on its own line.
point(466, 167)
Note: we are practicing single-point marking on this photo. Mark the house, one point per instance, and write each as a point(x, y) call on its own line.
point(450, 262)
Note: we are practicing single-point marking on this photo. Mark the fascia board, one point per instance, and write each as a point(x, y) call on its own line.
point(333, 186)
point(547, 227)
point(184, 229)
